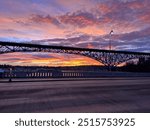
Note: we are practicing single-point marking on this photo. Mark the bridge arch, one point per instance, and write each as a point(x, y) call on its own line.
point(106, 57)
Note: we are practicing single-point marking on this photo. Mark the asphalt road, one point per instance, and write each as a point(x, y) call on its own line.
point(76, 95)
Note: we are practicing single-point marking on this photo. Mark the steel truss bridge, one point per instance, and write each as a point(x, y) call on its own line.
point(106, 57)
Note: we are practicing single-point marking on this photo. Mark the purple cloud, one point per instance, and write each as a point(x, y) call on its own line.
point(44, 19)
point(79, 19)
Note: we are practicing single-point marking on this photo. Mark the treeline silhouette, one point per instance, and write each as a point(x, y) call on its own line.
point(143, 65)
point(70, 68)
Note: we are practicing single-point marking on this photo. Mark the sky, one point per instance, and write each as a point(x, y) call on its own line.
point(77, 23)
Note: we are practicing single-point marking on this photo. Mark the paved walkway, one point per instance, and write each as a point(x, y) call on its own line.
point(82, 95)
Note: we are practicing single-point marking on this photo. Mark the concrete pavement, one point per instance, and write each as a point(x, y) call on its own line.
point(76, 95)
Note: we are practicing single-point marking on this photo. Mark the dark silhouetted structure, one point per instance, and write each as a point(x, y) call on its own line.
point(107, 57)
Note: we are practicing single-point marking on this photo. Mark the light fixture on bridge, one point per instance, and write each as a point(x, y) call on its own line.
point(110, 35)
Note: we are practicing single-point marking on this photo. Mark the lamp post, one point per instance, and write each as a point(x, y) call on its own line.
point(10, 74)
point(110, 48)
point(110, 35)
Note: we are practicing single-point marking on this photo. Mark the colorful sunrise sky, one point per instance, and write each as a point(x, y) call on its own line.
point(78, 23)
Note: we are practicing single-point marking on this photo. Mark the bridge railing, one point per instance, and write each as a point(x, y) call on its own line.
point(51, 74)
point(72, 74)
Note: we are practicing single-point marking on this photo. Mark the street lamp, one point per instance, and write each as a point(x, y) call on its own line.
point(110, 34)
point(10, 74)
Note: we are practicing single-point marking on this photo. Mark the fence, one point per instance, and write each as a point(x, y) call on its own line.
point(74, 74)
point(50, 74)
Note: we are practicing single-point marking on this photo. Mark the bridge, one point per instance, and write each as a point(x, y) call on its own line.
point(106, 57)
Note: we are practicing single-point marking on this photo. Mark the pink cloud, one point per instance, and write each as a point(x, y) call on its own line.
point(79, 19)
point(44, 19)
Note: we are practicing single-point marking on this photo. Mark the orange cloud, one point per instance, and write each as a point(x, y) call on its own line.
point(92, 30)
point(69, 62)
point(55, 60)
point(90, 46)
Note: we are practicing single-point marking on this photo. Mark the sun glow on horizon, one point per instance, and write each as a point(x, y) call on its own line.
point(77, 23)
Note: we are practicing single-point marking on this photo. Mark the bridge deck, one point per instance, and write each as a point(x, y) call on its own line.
point(68, 48)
